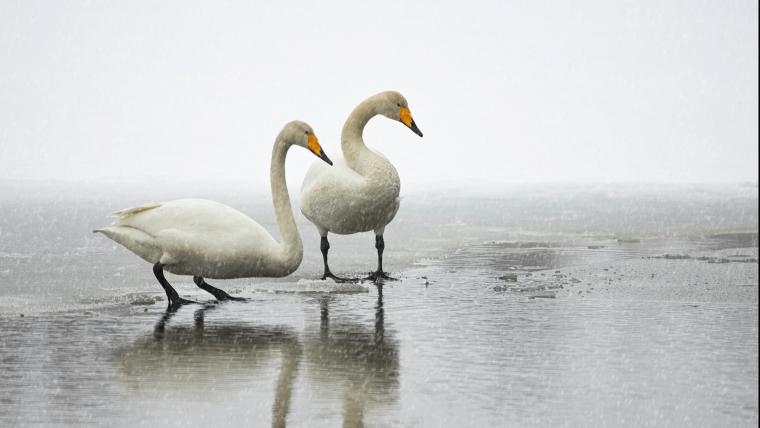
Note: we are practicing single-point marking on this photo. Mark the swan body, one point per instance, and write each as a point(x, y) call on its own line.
point(346, 201)
point(208, 239)
point(361, 191)
point(203, 238)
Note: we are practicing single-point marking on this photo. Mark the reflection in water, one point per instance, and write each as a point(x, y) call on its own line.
point(199, 358)
point(359, 360)
point(364, 361)
point(494, 359)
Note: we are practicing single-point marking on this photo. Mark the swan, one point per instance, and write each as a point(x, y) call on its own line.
point(207, 239)
point(361, 192)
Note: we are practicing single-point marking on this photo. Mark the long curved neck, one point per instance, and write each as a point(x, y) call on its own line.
point(292, 247)
point(352, 142)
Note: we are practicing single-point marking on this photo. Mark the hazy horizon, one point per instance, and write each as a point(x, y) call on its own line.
point(518, 92)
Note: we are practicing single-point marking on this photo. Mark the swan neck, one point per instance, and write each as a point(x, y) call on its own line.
point(291, 244)
point(352, 142)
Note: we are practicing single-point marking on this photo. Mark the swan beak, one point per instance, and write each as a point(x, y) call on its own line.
point(317, 149)
point(414, 129)
point(406, 119)
point(324, 157)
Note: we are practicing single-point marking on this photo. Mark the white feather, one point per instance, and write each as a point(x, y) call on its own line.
point(361, 191)
point(205, 238)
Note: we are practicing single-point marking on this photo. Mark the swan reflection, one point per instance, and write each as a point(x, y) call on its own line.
point(353, 362)
point(359, 360)
point(200, 359)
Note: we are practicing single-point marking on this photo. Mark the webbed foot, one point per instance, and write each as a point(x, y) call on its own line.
point(379, 276)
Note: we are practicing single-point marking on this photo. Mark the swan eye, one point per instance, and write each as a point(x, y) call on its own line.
point(306, 132)
point(398, 104)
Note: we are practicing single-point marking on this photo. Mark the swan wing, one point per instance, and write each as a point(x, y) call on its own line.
point(135, 240)
point(190, 231)
point(339, 199)
point(328, 191)
point(135, 210)
point(198, 217)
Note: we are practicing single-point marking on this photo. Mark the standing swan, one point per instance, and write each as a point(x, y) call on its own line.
point(208, 239)
point(361, 192)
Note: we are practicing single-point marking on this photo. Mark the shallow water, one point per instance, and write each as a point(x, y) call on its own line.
point(450, 344)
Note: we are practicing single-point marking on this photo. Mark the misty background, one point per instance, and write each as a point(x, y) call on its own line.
point(581, 215)
point(505, 92)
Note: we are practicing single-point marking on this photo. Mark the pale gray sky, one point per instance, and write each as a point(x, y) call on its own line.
point(504, 91)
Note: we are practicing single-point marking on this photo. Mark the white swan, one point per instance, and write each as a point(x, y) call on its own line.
point(360, 193)
point(208, 239)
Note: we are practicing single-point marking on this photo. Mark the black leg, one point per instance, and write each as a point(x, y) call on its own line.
point(379, 274)
point(380, 245)
point(171, 294)
point(324, 245)
point(220, 295)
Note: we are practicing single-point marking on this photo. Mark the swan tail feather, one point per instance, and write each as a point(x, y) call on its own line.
point(132, 211)
point(135, 240)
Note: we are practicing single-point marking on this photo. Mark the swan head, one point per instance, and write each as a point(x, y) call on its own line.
point(394, 106)
point(297, 133)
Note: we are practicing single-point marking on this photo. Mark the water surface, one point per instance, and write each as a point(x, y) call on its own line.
point(594, 327)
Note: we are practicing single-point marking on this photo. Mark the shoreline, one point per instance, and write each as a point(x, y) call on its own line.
point(610, 269)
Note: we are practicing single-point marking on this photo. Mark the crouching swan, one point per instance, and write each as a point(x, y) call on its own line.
point(207, 239)
point(360, 193)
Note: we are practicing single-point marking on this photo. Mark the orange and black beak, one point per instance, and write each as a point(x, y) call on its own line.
point(317, 149)
point(406, 119)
